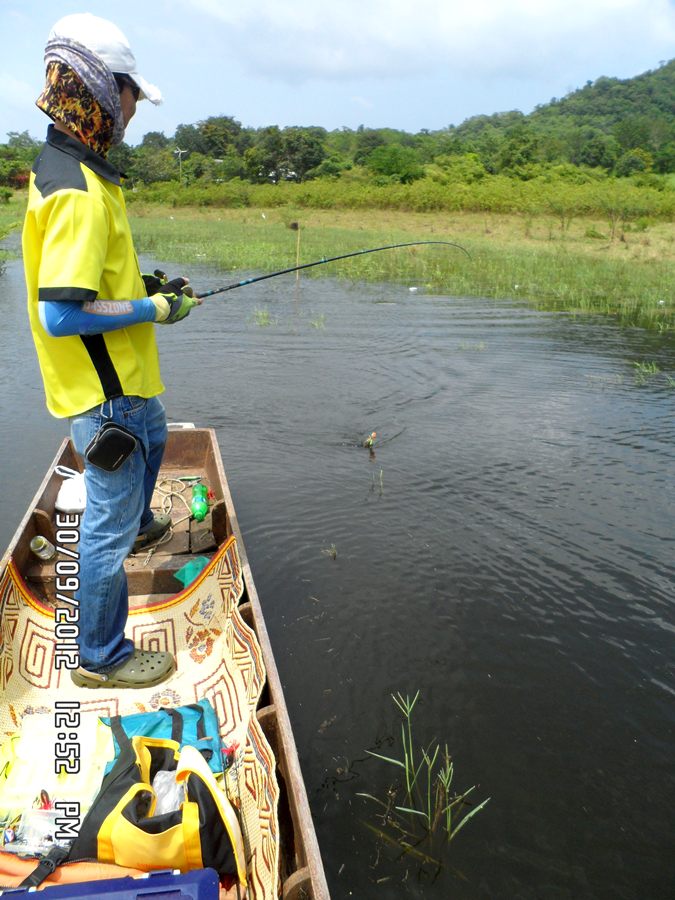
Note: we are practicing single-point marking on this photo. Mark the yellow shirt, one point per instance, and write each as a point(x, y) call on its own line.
point(77, 245)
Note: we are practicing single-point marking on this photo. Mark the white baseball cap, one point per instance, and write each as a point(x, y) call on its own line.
point(108, 42)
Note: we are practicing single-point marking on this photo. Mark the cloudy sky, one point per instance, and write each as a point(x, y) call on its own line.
point(408, 64)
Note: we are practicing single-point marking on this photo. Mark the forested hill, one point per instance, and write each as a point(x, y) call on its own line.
point(607, 102)
point(597, 123)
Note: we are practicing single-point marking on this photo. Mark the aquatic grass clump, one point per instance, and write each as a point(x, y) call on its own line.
point(432, 813)
point(644, 371)
point(262, 318)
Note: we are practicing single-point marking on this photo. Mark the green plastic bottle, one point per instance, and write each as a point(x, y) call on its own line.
point(200, 502)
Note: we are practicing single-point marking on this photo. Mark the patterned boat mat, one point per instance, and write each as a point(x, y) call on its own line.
point(218, 657)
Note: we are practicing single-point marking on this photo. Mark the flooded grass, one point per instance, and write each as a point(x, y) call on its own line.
point(11, 219)
point(629, 278)
point(644, 371)
point(431, 813)
point(11, 214)
point(262, 318)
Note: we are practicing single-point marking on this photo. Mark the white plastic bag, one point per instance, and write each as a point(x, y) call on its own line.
point(169, 793)
point(72, 496)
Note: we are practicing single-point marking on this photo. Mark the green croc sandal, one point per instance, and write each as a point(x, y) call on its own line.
point(155, 530)
point(143, 669)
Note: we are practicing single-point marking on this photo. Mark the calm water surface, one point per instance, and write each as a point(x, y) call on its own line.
point(508, 551)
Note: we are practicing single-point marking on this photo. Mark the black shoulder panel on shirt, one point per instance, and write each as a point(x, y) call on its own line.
point(55, 170)
point(82, 295)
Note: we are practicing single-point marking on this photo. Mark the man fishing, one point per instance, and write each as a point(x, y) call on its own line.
point(91, 315)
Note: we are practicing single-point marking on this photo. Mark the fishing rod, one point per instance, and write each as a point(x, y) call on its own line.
point(320, 262)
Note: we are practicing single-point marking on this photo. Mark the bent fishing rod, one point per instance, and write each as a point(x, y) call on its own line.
point(321, 262)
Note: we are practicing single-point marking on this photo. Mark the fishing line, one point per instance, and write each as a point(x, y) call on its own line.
point(321, 262)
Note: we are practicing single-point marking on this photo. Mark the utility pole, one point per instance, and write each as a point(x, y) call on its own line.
point(179, 153)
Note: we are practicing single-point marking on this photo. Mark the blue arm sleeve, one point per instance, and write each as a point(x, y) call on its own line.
point(61, 318)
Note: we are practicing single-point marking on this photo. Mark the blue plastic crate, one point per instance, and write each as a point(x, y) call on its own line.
point(201, 884)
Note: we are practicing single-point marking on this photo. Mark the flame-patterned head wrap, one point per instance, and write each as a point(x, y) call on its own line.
point(67, 99)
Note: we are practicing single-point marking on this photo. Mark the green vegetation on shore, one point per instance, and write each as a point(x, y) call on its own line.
point(562, 192)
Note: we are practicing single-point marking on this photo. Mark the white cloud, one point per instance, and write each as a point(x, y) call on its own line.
point(391, 38)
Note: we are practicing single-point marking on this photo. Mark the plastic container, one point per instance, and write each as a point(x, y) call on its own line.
point(201, 884)
point(43, 548)
point(200, 502)
point(191, 570)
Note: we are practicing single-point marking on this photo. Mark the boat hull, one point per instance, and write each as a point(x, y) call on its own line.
point(216, 628)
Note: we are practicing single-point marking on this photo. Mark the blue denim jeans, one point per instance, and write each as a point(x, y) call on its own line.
point(118, 507)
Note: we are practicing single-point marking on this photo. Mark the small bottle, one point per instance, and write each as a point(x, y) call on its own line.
point(200, 502)
point(43, 548)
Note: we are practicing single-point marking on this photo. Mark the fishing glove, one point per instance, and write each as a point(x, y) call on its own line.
point(154, 283)
point(174, 302)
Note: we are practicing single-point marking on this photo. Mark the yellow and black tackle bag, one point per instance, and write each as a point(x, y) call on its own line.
point(122, 826)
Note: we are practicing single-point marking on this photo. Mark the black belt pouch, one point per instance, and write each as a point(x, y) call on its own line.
point(110, 447)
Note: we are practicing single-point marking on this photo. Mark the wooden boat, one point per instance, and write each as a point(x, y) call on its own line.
point(28, 596)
